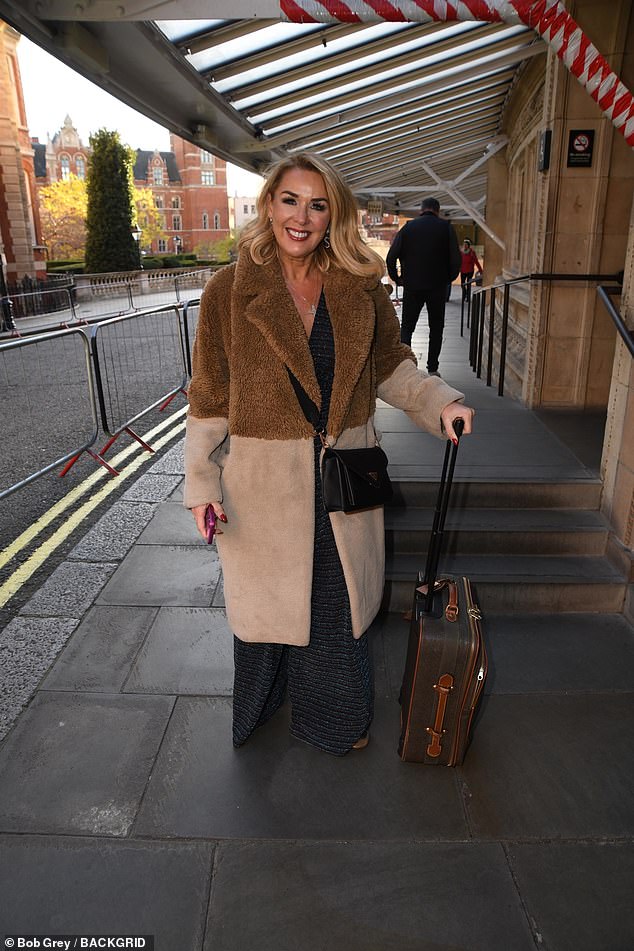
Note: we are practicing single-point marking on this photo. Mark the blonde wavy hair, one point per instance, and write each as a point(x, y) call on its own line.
point(347, 250)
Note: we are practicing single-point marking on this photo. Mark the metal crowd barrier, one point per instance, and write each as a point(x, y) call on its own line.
point(114, 371)
point(49, 408)
point(191, 310)
point(46, 301)
point(139, 365)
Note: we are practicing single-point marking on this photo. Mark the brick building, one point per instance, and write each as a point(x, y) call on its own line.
point(189, 186)
point(20, 235)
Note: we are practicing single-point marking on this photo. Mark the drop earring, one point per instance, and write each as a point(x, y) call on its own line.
point(327, 239)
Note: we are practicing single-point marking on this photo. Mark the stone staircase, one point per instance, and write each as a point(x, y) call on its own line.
point(528, 547)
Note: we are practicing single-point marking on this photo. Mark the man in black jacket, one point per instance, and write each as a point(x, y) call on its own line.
point(429, 256)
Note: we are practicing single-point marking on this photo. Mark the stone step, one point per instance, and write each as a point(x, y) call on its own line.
point(510, 583)
point(499, 531)
point(581, 494)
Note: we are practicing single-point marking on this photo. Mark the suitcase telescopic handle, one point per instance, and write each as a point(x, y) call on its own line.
point(440, 514)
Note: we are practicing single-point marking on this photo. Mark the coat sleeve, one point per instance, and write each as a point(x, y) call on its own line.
point(207, 426)
point(399, 382)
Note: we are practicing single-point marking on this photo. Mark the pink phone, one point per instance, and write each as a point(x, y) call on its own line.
point(210, 523)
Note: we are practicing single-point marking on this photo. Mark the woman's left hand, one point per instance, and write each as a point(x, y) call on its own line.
point(451, 413)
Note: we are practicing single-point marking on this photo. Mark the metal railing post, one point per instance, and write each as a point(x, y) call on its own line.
point(491, 337)
point(483, 307)
point(505, 327)
point(473, 336)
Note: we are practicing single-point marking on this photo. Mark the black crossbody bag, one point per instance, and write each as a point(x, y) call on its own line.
point(351, 479)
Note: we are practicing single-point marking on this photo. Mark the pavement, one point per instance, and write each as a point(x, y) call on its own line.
point(124, 808)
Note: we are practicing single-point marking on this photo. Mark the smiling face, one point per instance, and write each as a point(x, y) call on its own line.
point(300, 213)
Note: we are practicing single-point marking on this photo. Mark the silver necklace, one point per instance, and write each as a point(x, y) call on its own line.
point(312, 306)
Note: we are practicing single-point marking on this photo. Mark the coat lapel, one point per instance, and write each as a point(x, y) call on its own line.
point(353, 318)
point(268, 306)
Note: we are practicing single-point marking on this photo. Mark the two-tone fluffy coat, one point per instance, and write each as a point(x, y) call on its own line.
point(249, 445)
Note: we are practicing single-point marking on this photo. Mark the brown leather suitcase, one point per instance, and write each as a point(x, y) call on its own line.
point(446, 664)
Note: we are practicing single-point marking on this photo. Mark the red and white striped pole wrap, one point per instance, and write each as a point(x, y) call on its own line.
point(546, 17)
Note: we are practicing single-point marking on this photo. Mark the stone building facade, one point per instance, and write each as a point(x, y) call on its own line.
point(189, 186)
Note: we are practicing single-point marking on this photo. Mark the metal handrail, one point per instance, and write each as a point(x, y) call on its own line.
point(476, 316)
point(626, 334)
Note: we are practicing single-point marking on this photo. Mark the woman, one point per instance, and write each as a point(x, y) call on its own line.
point(468, 263)
point(301, 585)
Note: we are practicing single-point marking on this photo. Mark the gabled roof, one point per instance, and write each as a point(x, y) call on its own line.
point(143, 156)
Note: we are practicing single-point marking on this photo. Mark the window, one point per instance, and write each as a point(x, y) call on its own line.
point(252, 209)
point(206, 158)
point(157, 175)
point(158, 201)
point(245, 209)
point(64, 162)
point(80, 165)
point(176, 202)
point(205, 221)
point(216, 221)
point(162, 245)
point(207, 178)
point(176, 222)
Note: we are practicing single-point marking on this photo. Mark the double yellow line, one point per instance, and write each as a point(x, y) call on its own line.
point(15, 581)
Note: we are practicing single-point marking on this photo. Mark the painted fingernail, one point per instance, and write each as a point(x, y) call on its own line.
point(223, 517)
point(455, 442)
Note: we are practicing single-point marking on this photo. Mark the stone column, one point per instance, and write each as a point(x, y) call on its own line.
point(583, 226)
point(617, 466)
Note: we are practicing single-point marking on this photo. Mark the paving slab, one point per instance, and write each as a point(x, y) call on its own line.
point(99, 655)
point(188, 651)
point(70, 590)
point(579, 894)
point(278, 787)
point(165, 575)
point(28, 646)
point(173, 461)
point(115, 532)
point(552, 766)
point(152, 487)
point(364, 897)
point(78, 763)
point(172, 525)
point(77, 885)
point(566, 653)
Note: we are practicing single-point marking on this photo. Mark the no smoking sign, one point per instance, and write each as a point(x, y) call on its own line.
point(580, 142)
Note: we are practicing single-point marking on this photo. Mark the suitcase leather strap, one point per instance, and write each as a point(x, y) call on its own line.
point(443, 688)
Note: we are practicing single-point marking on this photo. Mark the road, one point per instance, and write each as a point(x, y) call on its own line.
point(46, 412)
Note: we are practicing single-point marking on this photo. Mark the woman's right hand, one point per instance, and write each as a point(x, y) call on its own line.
point(198, 511)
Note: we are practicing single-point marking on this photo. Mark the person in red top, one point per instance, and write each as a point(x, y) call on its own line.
point(469, 263)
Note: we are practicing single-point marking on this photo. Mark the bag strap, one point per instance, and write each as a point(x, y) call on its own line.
point(308, 408)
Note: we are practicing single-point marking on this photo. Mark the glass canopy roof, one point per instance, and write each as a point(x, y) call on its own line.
point(402, 109)
point(399, 108)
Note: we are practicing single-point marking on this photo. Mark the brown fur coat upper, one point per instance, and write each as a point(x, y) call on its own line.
point(249, 445)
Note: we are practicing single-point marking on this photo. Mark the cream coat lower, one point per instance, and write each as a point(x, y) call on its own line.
point(266, 548)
